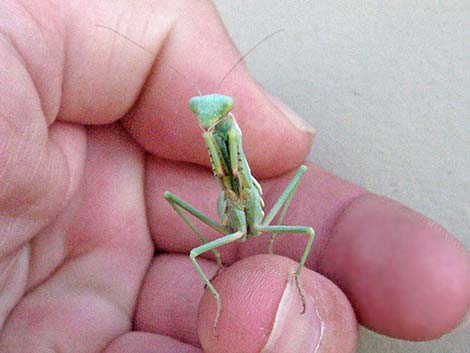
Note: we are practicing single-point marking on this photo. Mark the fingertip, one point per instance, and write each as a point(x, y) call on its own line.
point(262, 311)
point(296, 120)
point(405, 275)
point(277, 139)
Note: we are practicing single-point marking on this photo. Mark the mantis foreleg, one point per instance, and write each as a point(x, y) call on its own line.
point(211, 246)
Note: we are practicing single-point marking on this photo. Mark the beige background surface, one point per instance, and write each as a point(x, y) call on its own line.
point(387, 85)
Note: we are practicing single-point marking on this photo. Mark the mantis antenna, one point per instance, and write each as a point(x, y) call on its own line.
point(246, 54)
point(193, 85)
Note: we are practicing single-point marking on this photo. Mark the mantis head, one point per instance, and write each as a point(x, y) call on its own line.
point(210, 108)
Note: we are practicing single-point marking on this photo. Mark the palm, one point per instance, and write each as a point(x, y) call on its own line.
point(87, 266)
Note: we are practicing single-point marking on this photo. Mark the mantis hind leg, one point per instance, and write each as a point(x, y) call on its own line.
point(179, 205)
point(278, 229)
point(211, 246)
point(284, 202)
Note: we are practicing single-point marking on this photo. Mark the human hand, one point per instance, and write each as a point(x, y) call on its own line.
point(82, 211)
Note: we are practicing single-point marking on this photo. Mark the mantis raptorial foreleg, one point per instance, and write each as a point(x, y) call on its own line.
point(178, 204)
point(284, 202)
point(211, 246)
point(218, 164)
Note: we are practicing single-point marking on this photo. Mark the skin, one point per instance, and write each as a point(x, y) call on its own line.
point(92, 132)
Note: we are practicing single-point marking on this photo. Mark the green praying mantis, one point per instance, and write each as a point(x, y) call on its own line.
point(240, 205)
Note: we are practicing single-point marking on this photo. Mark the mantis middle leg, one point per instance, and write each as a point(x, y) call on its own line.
point(179, 205)
point(284, 202)
point(211, 246)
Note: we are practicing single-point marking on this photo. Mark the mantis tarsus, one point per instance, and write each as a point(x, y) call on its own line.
point(240, 203)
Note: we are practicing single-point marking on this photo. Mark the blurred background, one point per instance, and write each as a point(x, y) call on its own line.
point(387, 86)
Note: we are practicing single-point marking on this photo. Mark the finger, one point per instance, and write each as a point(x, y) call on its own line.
point(391, 261)
point(86, 73)
point(162, 109)
point(252, 315)
point(142, 342)
point(260, 292)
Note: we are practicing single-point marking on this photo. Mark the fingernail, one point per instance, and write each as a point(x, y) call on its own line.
point(294, 118)
point(294, 332)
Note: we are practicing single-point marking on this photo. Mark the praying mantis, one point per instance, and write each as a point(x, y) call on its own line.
point(240, 205)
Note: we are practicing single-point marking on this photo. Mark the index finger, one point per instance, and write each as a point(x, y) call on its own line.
point(200, 49)
point(119, 78)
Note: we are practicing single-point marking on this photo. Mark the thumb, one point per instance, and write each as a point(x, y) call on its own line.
point(262, 311)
